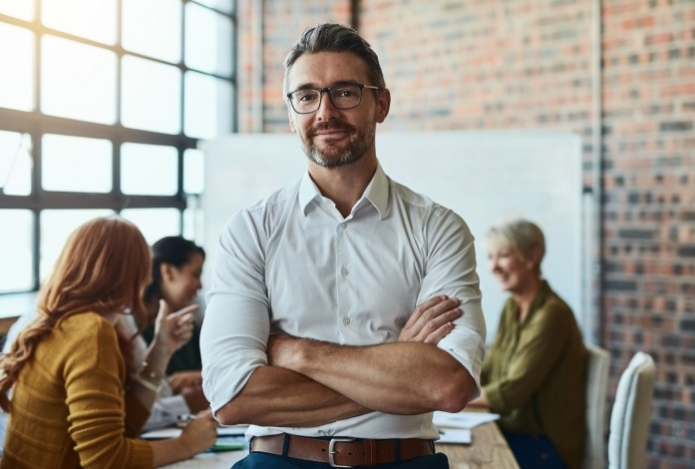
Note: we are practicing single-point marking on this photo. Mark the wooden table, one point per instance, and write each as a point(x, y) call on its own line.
point(489, 450)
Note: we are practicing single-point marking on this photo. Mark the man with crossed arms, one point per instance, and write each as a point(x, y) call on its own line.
point(309, 333)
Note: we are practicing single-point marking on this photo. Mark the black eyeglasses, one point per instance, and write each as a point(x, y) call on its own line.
point(345, 96)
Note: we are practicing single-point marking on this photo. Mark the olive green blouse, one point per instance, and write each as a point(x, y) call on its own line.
point(534, 374)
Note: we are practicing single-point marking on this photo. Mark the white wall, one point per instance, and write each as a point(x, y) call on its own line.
point(484, 176)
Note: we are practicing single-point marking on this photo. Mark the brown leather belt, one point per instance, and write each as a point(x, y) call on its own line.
point(343, 452)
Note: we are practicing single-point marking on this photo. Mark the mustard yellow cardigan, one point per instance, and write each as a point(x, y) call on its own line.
point(70, 408)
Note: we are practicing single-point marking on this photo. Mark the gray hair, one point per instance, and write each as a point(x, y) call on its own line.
point(326, 37)
point(520, 235)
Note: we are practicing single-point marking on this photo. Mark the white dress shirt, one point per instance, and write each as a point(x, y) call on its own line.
point(293, 264)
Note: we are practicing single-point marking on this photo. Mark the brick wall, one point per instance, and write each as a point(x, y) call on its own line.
point(527, 64)
point(649, 211)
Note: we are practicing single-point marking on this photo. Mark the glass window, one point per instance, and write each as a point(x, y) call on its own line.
point(193, 222)
point(17, 68)
point(56, 227)
point(203, 117)
point(149, 169)
point(153, 28)
point(16, 250)
point(15, 163)
point(76, 164)
point(151, 98)
point(84, 18)
point(225, 6)
point(78, 81)
point(208, 40)
point(155, 223)
point(193, 171)
point(22, 9)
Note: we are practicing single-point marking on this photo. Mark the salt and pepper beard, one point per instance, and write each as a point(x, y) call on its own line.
point(356, 148)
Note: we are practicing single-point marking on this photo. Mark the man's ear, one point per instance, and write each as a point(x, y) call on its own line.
point(383, 105)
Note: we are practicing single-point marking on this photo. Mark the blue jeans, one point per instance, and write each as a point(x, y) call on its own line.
point(273, 461)
point(534, 451)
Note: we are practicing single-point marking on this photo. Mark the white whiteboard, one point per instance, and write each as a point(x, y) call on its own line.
point(485, 177)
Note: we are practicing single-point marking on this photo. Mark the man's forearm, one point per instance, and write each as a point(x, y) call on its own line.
point(396, 378)
point(282, 398)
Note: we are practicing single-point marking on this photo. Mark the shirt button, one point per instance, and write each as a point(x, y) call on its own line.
point(345, 271)
point(346, 321)
point(343, 225)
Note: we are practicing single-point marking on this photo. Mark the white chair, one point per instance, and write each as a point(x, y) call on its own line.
point(598, 365)
point(631, 413)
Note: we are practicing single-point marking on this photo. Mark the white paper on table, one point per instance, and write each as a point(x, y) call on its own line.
point(463, 419)
point(174, 432)
point(456, 436)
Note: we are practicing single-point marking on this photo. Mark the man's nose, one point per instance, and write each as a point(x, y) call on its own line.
point(326, 110)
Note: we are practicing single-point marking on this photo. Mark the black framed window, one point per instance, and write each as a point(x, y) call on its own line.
point(101, 108)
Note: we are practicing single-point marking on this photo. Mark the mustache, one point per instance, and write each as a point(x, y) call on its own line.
point(333, 125)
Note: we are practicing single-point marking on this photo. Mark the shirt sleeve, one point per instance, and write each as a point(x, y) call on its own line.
point(451, 271)
point(540, 345)
point(94, 389)
point(237, 321)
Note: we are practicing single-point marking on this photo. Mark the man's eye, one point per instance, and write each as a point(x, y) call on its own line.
point(345, 93)
point(305, 97)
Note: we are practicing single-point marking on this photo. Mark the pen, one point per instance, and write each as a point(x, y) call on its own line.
point(184, 419)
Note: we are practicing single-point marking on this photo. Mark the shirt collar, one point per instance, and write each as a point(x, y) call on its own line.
point(377, 192)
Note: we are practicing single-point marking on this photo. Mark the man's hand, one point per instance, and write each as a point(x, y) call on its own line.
point(431, 321)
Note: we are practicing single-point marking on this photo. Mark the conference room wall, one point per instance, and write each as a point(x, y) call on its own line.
point(464, 65)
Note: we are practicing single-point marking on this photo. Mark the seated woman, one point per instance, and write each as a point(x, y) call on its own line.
point(534, 374)
point(79, 399)
point(177, 265)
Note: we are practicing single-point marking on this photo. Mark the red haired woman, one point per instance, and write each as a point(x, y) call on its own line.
point(78, 397)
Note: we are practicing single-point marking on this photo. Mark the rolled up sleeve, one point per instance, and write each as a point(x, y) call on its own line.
point(236, 325)
point(451, 271)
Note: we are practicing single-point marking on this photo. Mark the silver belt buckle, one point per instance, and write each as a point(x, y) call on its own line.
point(332, 452)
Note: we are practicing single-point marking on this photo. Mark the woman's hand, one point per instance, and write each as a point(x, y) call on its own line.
point(200, 434)
point(185, 379)
point(173, 330)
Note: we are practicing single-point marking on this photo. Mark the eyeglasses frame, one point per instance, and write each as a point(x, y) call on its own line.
point(328, 91)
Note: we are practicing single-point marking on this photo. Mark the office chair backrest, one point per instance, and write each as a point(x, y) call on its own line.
point(631, 414)
point(598, 365)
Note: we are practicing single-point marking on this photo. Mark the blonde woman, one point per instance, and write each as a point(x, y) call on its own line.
point(78, 397)
point(534, 374)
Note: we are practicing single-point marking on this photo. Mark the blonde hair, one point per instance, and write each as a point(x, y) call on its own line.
point(519, 235)
point(103, 268)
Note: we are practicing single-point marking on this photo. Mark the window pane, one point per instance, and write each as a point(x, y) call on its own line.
point(56, 227)
point(17, 65)
point(193, 223)
point(78, 81)
point(208, 106)
point(208, 40)
point(76, 164)
point(151, 96)
point(193, 171)
point(149, 169)
point(225, 6)
point(16, 253)
point(15, 163)
point(153, 27)
point(84, 18)
point(155, 223)
point(22, 9)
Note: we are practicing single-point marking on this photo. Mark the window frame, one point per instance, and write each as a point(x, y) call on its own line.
point(37, 124)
